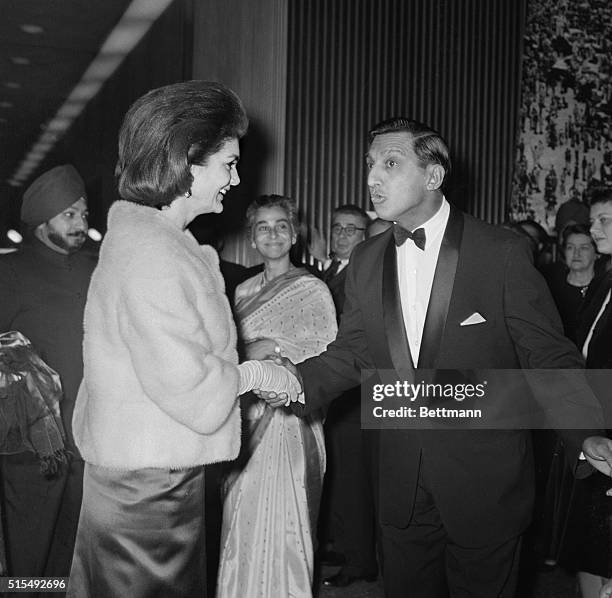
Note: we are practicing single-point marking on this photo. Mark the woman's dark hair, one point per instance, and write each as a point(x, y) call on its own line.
point(600, 195)
point(576, 229)
point(166, 131)
point(272, 201)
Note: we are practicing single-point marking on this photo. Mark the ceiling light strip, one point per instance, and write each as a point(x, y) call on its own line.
point(132, 27)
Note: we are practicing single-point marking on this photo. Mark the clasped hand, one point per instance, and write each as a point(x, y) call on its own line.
point(281, 399)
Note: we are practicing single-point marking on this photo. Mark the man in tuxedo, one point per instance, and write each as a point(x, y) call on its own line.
point(445, 291)
point(347, 508)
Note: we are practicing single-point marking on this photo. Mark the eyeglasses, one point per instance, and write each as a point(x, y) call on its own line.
point(349, 230)
point(278, 228)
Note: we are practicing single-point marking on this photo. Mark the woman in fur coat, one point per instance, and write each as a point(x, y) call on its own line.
point(159, 396)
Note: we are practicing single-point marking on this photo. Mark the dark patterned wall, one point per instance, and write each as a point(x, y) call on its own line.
point(454, 64)
point(565, 139)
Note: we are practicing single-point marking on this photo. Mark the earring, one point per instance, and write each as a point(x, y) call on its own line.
point(188, 193)
point(253, 245)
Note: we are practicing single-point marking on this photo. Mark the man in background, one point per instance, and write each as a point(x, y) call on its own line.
point(349, 498)
point(43, 288)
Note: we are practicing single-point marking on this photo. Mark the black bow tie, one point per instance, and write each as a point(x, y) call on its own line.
point(401, 234)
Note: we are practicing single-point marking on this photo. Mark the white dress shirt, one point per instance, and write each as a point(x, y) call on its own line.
point(416, 269)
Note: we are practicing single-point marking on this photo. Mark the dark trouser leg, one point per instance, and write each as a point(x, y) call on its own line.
point(484, 572)
point(421, 561)
point(354, 513)
point(414, 556)
point(64, 536)
point(31, 507)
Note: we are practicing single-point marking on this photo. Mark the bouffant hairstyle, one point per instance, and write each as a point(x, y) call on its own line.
point(272, 201)
point(166, 131)
point(428, 145)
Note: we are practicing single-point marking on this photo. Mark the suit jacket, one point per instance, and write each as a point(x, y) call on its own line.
point(481, 481)
point(346, 408)
point(336, 287)
point(42, 295)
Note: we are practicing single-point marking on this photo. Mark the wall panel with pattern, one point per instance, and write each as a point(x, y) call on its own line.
point(454, 64)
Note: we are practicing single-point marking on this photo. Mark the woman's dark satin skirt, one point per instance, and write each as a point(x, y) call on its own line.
point(141, 534)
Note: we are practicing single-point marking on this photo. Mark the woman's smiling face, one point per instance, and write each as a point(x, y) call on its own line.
point(273, 233)
point(212, 180)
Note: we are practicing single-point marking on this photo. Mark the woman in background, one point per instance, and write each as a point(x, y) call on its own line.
point(272, 500)
point(588, 542)
point(572, 281)
point(161, 378)
point(569, 286)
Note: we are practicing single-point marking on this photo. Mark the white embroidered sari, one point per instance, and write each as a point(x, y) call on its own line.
point(270, 510)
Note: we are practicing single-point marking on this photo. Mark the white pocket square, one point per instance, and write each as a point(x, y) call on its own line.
point(475, 318)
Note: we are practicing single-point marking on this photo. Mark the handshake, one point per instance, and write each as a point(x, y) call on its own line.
point(275, 379)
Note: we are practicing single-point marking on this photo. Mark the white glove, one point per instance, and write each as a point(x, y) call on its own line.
point(267, 376)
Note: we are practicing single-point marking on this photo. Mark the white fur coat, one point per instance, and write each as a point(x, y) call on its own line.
point(161, 379)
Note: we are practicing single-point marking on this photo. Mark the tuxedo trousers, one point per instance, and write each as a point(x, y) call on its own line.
point(422, 561)
point(141, 534)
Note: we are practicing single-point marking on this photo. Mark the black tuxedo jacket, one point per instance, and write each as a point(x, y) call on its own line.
point(481, 481)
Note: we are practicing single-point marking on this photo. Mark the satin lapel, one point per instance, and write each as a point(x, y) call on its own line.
point(392, 308)
point(441, 291)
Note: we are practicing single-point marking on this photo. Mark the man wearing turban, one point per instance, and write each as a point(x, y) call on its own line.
point(43, 288)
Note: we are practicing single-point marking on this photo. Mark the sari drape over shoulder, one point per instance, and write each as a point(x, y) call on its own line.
point(270, 509)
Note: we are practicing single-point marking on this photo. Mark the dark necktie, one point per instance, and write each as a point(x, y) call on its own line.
point(331, 271)
point(401, 234)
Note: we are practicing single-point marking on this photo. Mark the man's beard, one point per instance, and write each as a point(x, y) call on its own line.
point(70, 242)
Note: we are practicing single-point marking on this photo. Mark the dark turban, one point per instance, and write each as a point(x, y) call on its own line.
point(52, 193)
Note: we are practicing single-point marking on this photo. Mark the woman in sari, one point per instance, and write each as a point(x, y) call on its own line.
point(272, 497)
